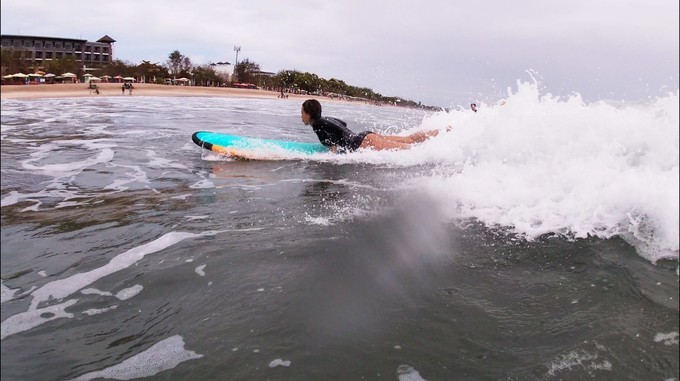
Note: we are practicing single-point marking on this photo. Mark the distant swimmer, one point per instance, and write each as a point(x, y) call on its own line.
point(473, 106)
point(333, 133)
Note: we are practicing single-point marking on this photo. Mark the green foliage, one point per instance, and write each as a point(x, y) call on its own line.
point(118, 67)
point(151, 72)
point(245, 71)
point(206, 76)
point(310, 83)
point(179, 65)
point(64, 65)
point(12, 61)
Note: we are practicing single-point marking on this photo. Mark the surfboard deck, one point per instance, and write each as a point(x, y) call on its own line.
point(250, 148)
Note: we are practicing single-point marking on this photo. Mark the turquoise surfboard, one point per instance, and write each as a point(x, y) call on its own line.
point(254, 148)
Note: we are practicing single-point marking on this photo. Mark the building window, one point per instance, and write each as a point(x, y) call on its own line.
point(48, 55)
point(59, 55)
point(105, 50)
point(38, 54)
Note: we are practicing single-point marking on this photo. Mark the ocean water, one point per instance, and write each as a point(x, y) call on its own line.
point(537, 240)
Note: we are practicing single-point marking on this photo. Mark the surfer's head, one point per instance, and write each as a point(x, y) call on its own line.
point(311, 111)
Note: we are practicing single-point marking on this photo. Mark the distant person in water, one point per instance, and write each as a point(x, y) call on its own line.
point(473, 106)
point(334, 134)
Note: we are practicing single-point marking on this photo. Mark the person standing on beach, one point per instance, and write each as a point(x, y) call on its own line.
point(122, 87)
point(334, 134)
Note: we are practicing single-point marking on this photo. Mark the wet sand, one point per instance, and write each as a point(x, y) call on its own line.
point(140, 89)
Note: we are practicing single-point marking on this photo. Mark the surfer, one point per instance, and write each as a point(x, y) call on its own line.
point(334, 134)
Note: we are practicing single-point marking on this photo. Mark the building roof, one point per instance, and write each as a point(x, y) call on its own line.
point(106, 39)
point(16, 36)
point(259, 72)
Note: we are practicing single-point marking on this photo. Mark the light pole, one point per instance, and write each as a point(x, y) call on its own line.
point(236, 49)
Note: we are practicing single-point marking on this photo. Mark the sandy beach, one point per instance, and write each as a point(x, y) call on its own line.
point(70, 90)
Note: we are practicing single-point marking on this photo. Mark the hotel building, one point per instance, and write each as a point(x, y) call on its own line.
point(39, 49)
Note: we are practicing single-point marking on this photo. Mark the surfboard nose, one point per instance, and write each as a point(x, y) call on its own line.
point(199, 142)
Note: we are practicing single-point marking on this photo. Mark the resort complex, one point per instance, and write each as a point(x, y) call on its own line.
point(39, 49)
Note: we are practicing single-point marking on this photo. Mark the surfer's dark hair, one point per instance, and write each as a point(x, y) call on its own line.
point(313, 108)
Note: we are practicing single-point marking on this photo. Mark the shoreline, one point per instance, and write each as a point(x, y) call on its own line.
point(80, 90)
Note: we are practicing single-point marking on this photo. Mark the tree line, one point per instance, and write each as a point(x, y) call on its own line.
point(178, 65)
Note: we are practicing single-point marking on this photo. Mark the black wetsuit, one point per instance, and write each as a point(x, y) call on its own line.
point(334, 132)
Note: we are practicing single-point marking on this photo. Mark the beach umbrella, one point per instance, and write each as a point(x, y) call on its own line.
point(35, 75)
point(8, 76)
point(88, 75)
point(49, 75)
point(69, 75)
point(128, 79)
point(19, 75)
point(94, 79)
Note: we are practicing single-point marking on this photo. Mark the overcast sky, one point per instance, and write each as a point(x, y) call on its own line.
point(443, 53)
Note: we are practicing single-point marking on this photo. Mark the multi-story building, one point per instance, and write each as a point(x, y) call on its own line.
point(39, 49)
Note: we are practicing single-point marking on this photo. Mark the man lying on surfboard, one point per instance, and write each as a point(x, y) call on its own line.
point(334, 134)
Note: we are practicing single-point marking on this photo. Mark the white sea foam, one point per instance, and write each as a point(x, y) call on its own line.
point(279, 362)
point(94, 291)
point(104, 154)
point(62, 288)
point(34, 317)
point(542, 164)
point(407, 373)
point(59, 289)
point(202, 184)
point(200, 270)
point(162, 356)
point(98, 311)
point(580, 359)
point(161, 162)
point(7, 293)
point(667, 338)
point(129, 292)
point(136, 175)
